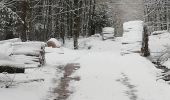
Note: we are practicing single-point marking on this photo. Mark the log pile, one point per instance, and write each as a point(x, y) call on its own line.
point(11, 70)
point(32, 54)
point(11, 66)
point(132, 37)
point(23, 55)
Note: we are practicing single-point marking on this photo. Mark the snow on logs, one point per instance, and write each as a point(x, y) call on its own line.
point(11, 66)
point(7, 64)
point(132, 41)
point(32, 54)
point(17, 56)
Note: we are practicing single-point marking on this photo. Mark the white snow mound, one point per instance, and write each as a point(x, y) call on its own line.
point(55, 42)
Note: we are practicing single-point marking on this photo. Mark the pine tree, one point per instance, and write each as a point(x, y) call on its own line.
point(9, 22)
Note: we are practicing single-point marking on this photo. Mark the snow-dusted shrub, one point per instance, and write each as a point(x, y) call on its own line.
point(159, 46)
point(103, 18)
point(164, 56)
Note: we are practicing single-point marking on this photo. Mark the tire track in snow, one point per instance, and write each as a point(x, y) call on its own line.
point(62, 89)
point(131, 92)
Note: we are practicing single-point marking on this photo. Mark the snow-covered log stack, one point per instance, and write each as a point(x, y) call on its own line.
point(108, 33)
point(7, 64)
point(32, 54)
point(132, 37)
point(11, 66)
point(16, 56)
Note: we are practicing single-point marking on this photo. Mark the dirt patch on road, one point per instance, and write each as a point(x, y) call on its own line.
point(62, 89)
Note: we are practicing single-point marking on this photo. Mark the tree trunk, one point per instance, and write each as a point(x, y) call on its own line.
point(76, 24)
point(145, 50)
point(23, 17)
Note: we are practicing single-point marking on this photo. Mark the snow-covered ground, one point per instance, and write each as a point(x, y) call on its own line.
point(159, 46)
point(33, 85)
point(107, 75)
point(104, 75)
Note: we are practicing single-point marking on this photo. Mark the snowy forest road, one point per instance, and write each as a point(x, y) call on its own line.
point(105, 74)
point(102, 78)
point(110, 76)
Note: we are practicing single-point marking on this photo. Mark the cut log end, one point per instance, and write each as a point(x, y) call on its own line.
point(11, 70)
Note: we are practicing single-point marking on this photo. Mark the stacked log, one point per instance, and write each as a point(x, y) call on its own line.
point(23, 55)
point(7, 64)
point(132, 37)
point(11, 67)
point(32, 54)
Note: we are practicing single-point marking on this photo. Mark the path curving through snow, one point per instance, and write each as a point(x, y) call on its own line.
point(106, 75)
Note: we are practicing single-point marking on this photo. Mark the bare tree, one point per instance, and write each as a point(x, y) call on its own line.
point(157, 14)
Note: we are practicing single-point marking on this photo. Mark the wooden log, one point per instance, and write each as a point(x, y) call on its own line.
point(30, 50)
point(26, 59)
point(30, 54)
point(11, 70)
point(11, 66)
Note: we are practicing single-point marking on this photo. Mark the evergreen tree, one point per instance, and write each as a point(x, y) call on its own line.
point(10, 22)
